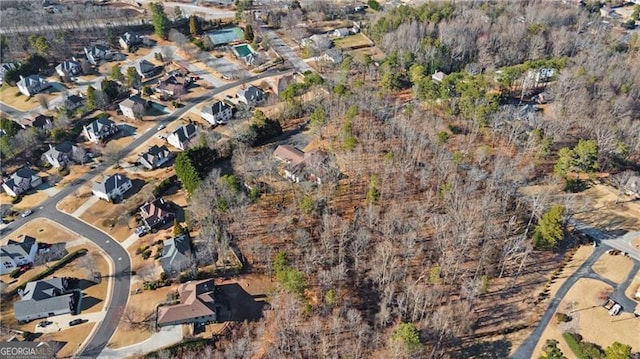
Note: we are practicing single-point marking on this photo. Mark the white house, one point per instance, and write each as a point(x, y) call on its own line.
point(342, 32)
point(217, 114)
point(182, 136)
point(16, 254)
point(129, 38)
point(21, 181)
point(99, 129)
point(61, 154)
point(112, 188)
point(251, 95)
point(155, 157)
point(134, 107)
point(98, 53)
point(69, 68)
point(32, 85)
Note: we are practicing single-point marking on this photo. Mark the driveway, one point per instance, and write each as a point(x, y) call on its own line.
point(165, 337)
point(526, 349)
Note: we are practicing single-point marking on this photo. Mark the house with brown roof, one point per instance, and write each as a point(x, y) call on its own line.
point(288, 154)
point(315, 166)
point(156, 213)
point(197, 305)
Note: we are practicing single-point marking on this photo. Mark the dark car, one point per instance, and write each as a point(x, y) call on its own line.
point(44, 323)
point(75, 322)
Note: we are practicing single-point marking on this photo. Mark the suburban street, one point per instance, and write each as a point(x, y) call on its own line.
point(118, 298)
point(605, 242)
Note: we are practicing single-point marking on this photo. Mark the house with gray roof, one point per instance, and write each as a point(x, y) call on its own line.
point(46, 298)
point(145, 68)
point(217, 114)
point(100, 129)
point(182, 137)
point(155, 157)
point(61, 154)
point(16, 254)
point(251, 96)
point(41, 122)
point(134, 107)
point(97, 53)
point(176, 255)
point(129, 39)
point(112, 188)
point(69, 68)
point(32, 85)
point(72, 102)
point(21, 181)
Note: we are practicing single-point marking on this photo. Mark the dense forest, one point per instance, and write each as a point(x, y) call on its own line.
point(426, 247)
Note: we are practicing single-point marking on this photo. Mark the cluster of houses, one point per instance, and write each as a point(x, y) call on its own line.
point(41, 298)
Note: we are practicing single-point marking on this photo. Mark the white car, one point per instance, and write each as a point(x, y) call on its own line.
point(26, 213)
point(615, 310)
point(161, 127)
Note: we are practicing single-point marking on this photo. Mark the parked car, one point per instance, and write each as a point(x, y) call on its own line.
point(76, 322)
point(615, 310)
point(24, 268)
point(26, 213)
point(44, 323)
point(142, 230)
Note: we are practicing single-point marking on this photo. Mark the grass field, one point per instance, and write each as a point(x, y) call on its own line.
point(353, 41)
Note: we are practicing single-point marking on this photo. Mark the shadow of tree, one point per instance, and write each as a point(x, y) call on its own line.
point(487, 350)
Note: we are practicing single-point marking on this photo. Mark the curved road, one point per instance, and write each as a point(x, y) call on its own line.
point(118, 255)
point(527, 348)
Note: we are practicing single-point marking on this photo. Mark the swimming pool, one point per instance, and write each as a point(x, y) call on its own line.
point(243, 50)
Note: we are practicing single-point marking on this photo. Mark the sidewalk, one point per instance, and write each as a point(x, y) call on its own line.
point(162, 339)
point(90, 202)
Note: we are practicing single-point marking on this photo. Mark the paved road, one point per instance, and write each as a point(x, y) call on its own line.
point(526, 349)
point(284, 50)
point(117, 254)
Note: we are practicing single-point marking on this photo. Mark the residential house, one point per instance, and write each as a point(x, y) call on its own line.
point(145, 68)
point(173, 85)
point(100, 129)
point(21, 181)
point(134, 107)
point(32, 85)
point(315, 166)
point(251, 96)
point(16, 254)
point(632, 187)
point(318, 42)
point(280, 83)
point(176, 255)
point(112, 188)
point(217, 114)
point(182, 136)
point(342, 32)
point(333, 56)
point(438, 76)
point(129, 39)
point(40, 122)
point(7, 66)
point(544, 74)
point(156, 213)
point(288, 154)
point(61, 154)
point(155, 157)
point(69, 68)
point(46, 298)
point(73, 102)
point(97, 53)
point(197, 305)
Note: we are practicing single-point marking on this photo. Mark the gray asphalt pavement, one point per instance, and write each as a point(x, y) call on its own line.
point(118, 255)
point(606, 242)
